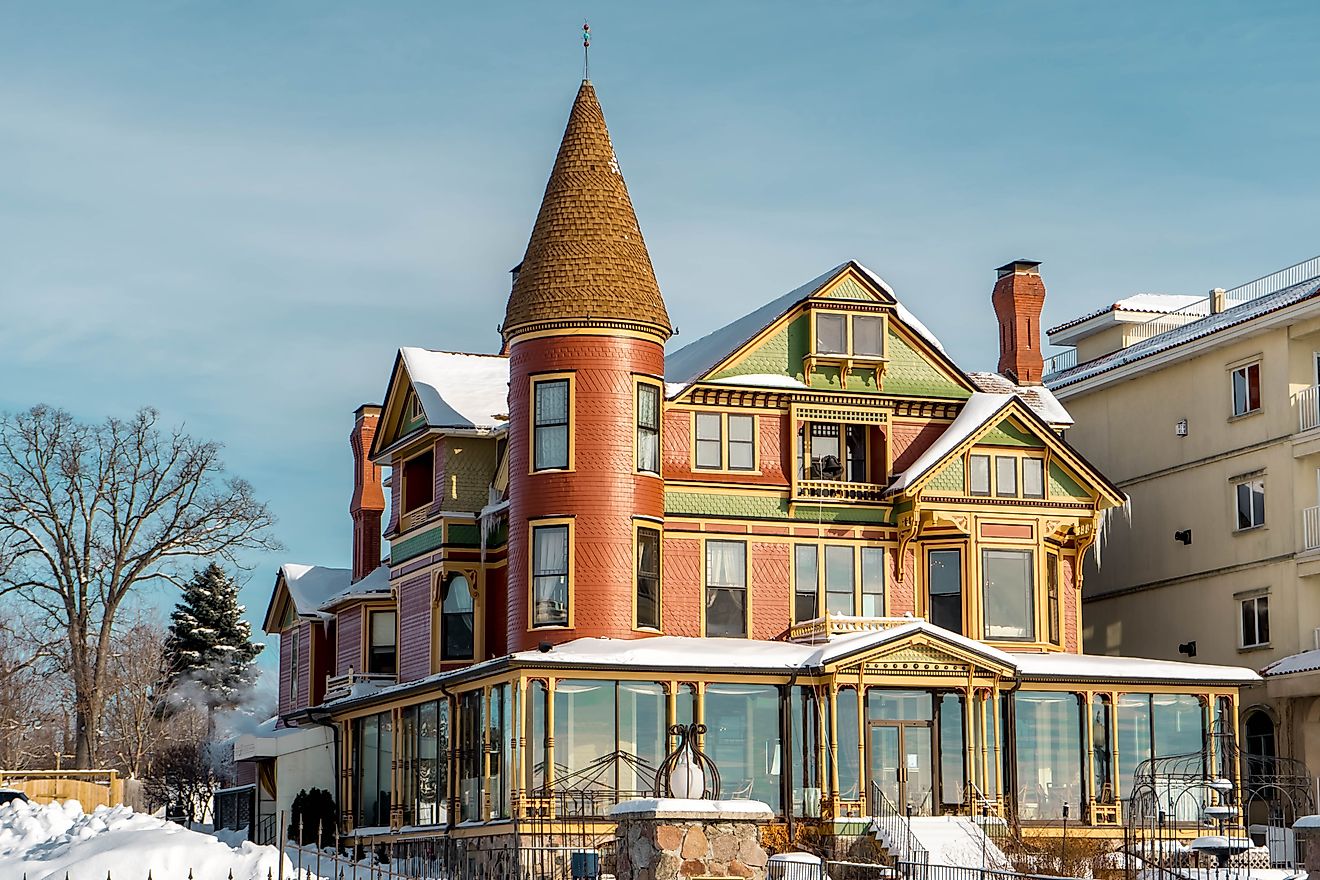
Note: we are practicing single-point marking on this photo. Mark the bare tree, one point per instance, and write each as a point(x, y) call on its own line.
point(91, 512)
point(136, 680)
point(30, 711)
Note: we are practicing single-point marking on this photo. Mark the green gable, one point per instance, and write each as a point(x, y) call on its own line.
point(848, 288)
point(952, 479)
point(910, 373)
point(779, 354)
point(1063, 484)
point(1007, 433)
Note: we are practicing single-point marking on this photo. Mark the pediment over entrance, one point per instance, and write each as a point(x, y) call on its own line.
point(917, 649)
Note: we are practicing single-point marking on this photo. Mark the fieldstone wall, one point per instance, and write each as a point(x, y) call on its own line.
point(669, 844)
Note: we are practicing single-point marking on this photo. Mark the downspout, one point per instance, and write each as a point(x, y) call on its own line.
point(326, 720)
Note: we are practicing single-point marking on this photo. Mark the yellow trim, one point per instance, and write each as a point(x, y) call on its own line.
point(532, 382)
point(745, 541)
point(532, 525)
point(624, 332)
point(724, 416)
point(658, 527)
point(649, 381)
point(921, 585)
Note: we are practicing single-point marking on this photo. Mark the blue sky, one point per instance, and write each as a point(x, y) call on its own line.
point(237, 212)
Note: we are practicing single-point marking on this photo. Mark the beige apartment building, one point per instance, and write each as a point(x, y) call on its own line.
point(1206, 412)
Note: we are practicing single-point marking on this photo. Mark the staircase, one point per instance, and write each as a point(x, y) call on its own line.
point(956, 840)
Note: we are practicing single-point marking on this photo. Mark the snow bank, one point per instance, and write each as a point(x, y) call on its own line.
point(46, 841)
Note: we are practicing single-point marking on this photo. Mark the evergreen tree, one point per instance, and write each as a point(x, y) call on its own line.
point(210, 644)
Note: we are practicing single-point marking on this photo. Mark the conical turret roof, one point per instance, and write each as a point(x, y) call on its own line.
point(586, 259)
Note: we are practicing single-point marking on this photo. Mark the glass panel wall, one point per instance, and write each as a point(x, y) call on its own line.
point(535, 722)
point(1048, 737)
point(584, 732)
point(374, 752)
point(1133, 738)
point(470, 792)
point(1102, 751)
point(432, 784)
point(743, 740)
point(953, 749)
point(806, 776)
point(641, 734)
point(500, 750)
point(848, 749)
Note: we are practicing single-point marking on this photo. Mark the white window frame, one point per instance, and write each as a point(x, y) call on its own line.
point(1246, 408)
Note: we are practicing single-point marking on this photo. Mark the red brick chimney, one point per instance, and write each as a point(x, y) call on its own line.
point(1018, 298)
point(368, 502)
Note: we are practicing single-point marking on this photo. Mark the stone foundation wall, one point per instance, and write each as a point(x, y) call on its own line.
point(673, 848)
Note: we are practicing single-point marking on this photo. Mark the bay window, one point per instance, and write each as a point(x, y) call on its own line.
point(1007, 586)
point(456, 626)
point(550, 429)
point(382, 650)
point(550, 565)
point(868, 335)
point(726, 589)
point(648, 428)
point(831, 333)
point(418, 481)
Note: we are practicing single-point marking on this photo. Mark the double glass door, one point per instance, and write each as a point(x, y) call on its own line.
point(900, 761)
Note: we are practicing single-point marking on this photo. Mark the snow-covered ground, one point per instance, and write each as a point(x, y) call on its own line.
point(44, 842)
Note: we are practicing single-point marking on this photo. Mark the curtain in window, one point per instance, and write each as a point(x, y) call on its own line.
point(550, 575)
point(551, 425)
point(726, 589)
point(648, 428)
point(1008, 582)
point(457, 620)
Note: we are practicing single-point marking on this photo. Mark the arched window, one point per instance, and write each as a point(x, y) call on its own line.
point(1258, 729)
point(456, 620)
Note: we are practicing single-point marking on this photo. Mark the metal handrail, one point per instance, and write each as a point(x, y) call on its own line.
point(897, 829)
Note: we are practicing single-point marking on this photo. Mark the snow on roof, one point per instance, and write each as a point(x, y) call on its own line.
point(1091, 666)
point(980, 408)
point(1038, 397)
point(1189, 332)
point(762, 380)
point(459, 390)
point(374, 584)
point(310, 586)
point(1306, 661)
point(1155, 303)
point(694, 360)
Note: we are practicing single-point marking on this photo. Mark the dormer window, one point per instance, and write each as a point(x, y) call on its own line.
point(839, 334)
point(831, 334)
point(868, 335)
point(418, 481)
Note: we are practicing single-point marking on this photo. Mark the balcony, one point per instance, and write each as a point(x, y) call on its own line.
point(337, 686)
point(1311, 529)
point(1307, 402)
point(839, 490)
point(820, 629)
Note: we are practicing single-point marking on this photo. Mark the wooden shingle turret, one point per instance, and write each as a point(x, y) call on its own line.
point(586, 261)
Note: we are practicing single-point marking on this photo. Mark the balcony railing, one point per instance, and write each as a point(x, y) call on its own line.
point(1064, 360)
point(840, 490)
point(337, 686)
point(1311, 528)
point(1308, 408)
point(820, 629)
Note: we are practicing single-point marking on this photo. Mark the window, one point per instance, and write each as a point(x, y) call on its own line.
point(1246, 389)
point(456, 619)
point(710, 441)
point(831, 334)
point(1006, 476)
point(382, 650)
point(873, 582)
point(293, 635)
point(868, 335)
point(415, 410)
point(373, 741)
point(1007, 584)
point(1255, 621)
point(1250, 503)
point(834, 451)
point(944, 582)
point(550, 575)
point(979, 470)
point(1047, 739)
point(1260, 749)
point(648, 428)
point(648, 578)
point(1102, 753)
point(742, 444)
point(839, 598)
point(726, 589)
point(744, 739)
point(1052, 596)
point(804, 582)
point(418, 481)
point(1033, 478)
point(550, 425)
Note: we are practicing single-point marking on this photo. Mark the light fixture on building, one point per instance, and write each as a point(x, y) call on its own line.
point(1188, 648)
point(1183, 535)
point(1181, 428)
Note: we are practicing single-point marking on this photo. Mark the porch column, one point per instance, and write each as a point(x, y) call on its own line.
point(834, 739)
point(550, 733)
point(969, 740)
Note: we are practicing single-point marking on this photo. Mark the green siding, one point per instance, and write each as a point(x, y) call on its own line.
point(464, 535)
point(909, 372)
point(416, 545)
point(1008, 434)
point(769, 507)
point(780, 354)
point(848, 288)
point(1062, 484)
point(473, 463)
point(953, 479)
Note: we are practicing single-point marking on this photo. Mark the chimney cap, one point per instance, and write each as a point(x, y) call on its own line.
point(366, 410)
point(1026, 266)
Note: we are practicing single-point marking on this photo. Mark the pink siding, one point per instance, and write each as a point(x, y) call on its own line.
point(771, 581)
point(348, 641)
point(286, 673)
point(288, 702)
point(245, 773)
point(902, 593)
point(304, 665)
point(415, 628)
point(1068, 598)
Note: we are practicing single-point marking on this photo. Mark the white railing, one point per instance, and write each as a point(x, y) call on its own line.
point(337, 686)
point(1064, 360)
point(1311, 528)
point(1308, 408)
